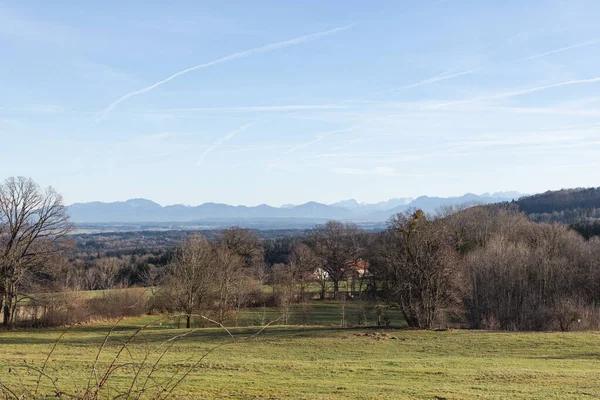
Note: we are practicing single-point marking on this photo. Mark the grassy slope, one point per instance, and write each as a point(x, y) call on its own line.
point(318, 362)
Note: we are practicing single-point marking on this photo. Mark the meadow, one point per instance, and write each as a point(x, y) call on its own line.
point(319, 360)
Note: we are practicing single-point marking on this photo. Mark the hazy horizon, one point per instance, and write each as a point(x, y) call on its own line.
point(277, 103)
point(493, 194)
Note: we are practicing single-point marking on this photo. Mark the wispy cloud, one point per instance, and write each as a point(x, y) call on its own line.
point(377, 171)
point(553, 110)
point(235, 56)
point(222, 140)
point(517, 92)
point(243, 109)
point(159, 136)
point(362, 154)
point(250, 148)
point(318, 139)
point(345, 143)
point(16, 25)
point(37, 109)
point(97, 71)
point(522, 140)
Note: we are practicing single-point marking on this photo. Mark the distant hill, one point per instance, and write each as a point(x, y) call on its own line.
point(565, 205)
point(433, 204)
point(142, 210)
point(359, 208)
point(560, 200)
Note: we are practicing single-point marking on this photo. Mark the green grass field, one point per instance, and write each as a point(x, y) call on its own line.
point(319, 361)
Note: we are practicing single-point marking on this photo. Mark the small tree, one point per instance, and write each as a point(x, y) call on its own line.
point(302, 265)
point(229, 271)
point(191, 276)
point(283, 290)
point(337, 245)
point(107, 270)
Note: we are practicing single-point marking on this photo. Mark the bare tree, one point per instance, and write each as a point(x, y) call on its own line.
point(337, 246)
point(302, 265)
point(245, 243)
point(229, 272)
point(473, 227)
point(107, 270)
point(419, 266)
point(263, 273)
point(192, 273)
point(33, 227)
point(247, 290)
point(283, 290)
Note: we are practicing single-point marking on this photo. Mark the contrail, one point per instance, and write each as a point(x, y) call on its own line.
point(318, 139)
point(539, 88)
point(242, 54)
point(547, 53)
point(519, 92)
point(304, 145)
point(225, 138)
point(439, 78)
point(443, 77)
point(433, 79)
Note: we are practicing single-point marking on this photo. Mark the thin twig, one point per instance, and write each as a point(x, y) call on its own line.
point(37, 385)
point(213, 349)
point(93, 373)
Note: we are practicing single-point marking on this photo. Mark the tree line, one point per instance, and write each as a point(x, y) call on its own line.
point(484, 267)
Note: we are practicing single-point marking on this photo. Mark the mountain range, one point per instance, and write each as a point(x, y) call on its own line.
point(143, 210)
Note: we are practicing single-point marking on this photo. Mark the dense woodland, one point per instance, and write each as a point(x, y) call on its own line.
point(491, 267)
point(566, 206)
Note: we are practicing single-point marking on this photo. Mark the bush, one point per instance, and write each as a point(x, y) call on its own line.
point(73, 307)
point(119, 303)
point(54, 309)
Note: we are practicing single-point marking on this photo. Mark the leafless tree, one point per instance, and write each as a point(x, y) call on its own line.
point(245, 243)
point(262, 273)
point(337, 245)
point(192, 274)
point(283, 290)
point(472, 228)
point(247, 290)
point(229, 272)
point(302, 265)
point(107, 269)
point(419, 266)
point(33, 227)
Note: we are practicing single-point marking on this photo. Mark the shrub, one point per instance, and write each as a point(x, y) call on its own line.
point(119, 303)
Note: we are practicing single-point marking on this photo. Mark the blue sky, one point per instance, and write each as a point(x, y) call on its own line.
point(285, 102)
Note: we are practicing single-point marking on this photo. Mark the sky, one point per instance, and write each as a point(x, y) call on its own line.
point(281, 102)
